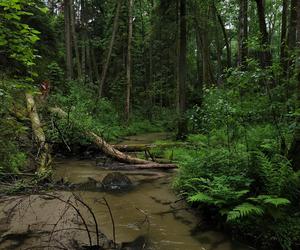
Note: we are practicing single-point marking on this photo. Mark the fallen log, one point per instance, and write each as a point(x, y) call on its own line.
point(147, 147)
point(134, 147)
point(43, 154)
point(109, 150)
point(124, 166)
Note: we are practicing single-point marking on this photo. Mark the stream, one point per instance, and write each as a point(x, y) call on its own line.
point(150, 211)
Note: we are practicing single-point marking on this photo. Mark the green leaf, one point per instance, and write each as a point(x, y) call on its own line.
point(201, 197)
point(244, 210)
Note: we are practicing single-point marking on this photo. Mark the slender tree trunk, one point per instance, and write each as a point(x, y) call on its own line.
point(68, 40)
point(83, 55)
point(291, 39)
point(83, 38)
point(110, 48)
point(295, 147)
point(227, 44)
point(95, 66)
point(129, 62)
point(266, 56)
point(74, 36)
point(283, 42)
point(199, 66)
point(89, 60)
point(292, 25)
point(243, 33)
point(181, 71)
point(218, 44)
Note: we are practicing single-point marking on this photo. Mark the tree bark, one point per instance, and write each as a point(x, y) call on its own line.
point(40, 138)
point(110, 48)
point(68, 40)
point(74, 37)
point(265, 55)
point(283, 42)
point(181, 71)
point(292, 25)
point(218, 45)
point(243, 33)
point(89, 60)
point(95, 66)
point(294, 155)
point(227, 44)
point(129, 62)
point(83, 38)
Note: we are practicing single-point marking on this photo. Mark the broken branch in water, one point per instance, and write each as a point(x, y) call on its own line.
point(111, 151)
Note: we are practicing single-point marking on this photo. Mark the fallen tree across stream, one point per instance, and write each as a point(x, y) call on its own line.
point(114, 153)
point(145, 147)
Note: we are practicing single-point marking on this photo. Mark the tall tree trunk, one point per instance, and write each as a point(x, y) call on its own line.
point(110, 48)
point(227, 44)
point(68, 40)
point(199, 67)
point(89, 60)
point(243, 33)
point(83, 38)
point(218, 44)
point(292, 25)
point(129, 62)
point(291, 40)
point(266, 56)
point(74, 36)
point(295, 147)
point(283, 42)
point(95, 66)
point(181, 71)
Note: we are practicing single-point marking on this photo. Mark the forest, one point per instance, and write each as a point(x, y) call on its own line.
point(150, 124)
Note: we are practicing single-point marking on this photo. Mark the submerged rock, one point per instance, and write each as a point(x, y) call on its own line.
point(116, 181)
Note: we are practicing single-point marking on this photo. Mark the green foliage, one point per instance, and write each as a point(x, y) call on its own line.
point(244, 210)
point(12, 159)
point(17, 38)
point(236, 166)
point(85, 112)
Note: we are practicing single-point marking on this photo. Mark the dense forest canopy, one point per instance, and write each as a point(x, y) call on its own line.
point(222, 76)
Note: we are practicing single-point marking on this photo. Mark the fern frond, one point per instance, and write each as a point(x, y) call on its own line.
point(244, 210)
point(277, 201)
point(201, 197)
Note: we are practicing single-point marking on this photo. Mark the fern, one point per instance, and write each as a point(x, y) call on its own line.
point(271, 200)
point(244, 210)
point(201, 197)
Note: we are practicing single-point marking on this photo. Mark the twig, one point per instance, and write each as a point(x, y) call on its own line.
point(93, 215)
point(78, 212)
point(59, 219)
point(112, 221)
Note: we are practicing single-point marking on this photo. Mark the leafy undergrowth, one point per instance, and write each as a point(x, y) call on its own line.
point(234, 167)
point(85, 112)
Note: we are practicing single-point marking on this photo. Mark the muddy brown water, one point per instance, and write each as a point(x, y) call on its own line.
point(149, 210)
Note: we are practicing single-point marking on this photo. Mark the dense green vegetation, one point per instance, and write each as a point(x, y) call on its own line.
point(222, 76)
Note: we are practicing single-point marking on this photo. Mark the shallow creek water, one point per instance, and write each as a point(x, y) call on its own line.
point(171, 225)
point(150, 209)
